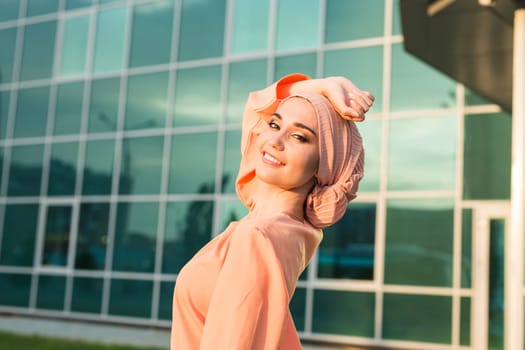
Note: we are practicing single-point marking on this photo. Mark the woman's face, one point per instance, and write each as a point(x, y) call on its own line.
point(288, 146)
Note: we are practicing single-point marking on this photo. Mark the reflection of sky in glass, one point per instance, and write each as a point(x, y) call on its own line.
point(7, 48)
point(68, 110)
point(74, 45)
point(305, 64)
point(63, 168)
point(37, 56)
point(109, 44)
point(98, 167)
point(350, 20)
point(73, 4)
point(231, 210)
point(232, 159)
point(250, 26)
point(4, 112)
point(31, 112)
point(422, 154)
point(9, 10)
point(103, 107)
point(371, 133)
point(25, 170)
point(301, 32)
point(39, 7)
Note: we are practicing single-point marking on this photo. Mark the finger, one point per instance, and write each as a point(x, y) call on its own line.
point(360, 102)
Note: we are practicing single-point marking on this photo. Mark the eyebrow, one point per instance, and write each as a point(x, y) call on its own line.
point(300, 125)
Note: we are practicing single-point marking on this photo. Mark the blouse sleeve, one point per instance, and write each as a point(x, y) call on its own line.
point(249, 305)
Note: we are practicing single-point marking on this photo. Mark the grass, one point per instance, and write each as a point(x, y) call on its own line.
point(9, 341)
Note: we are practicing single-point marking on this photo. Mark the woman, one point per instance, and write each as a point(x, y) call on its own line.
point(301, 164)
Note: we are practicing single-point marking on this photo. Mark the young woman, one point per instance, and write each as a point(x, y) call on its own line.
point(302, 159)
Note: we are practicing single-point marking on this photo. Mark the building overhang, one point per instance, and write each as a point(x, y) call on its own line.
point(466, 40)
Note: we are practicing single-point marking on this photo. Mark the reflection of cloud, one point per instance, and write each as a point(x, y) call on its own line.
point(157, 6)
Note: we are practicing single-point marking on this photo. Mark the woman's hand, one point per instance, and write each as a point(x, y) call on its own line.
point(348, 100)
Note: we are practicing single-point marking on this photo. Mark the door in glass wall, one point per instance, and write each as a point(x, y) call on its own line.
point(489, 226)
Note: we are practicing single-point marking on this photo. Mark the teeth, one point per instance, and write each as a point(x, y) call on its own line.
point(271, 159)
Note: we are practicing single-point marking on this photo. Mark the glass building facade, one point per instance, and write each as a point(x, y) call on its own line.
point(119, 147)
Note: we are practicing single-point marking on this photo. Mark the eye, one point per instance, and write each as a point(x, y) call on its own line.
point(273, 125)
point(300, 138)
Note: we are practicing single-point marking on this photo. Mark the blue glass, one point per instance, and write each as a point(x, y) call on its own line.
point(348, 247)
point(151, 20)
point(92, 236)
point(135, 237)
point(204, 107)
point(7, 48)
point(75, 4)
point(15, 289)
point(103, 107)
point(419, 237)
point(87, 295)
point(4, 112)
point(231, 210)
point(362, 65)
point(303, 63)
point(245, 77)
point(74, 46)
point(39, 7)
point(31, 112)
point(184, 234)
point(422, 153)
point(25, 171)
point(63, 169)
point(403, 318)
point(396, 20)
point(19, 235)
point(146, 102)
point(130, 298)
point(110, 39)
point(51, 292)
point(466, 248)
point(232, 159)
point(68, 109)
point(141, 165)
point(496, 284)
point(56, 236)
point(298, 308)
point(303, 31)
point(98, 167)
point(38, 51)
point(351, 20)
point(335, 313)
point(250, 26)
point(371, 132)
point(201, 29)
point(165, 300)
point(187, 175)
point(464, 337)
point(9, 9)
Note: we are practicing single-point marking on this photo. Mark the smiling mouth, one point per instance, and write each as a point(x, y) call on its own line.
point(270, 159)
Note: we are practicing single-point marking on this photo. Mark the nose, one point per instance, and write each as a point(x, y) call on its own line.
point(275, 139)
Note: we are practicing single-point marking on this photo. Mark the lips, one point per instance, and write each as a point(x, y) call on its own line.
point(268, 158)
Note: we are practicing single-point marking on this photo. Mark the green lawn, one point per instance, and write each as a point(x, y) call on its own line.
point(10, 341)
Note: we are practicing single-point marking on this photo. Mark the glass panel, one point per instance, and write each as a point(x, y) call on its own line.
point(165, 299)
point(335, 313)
point(98, 170)
point(185, 234)
point(39, 7)
point(244, 77)
point(464, 331)
point(419, 236)
point(25, 171)
point(231, 210)
point(422, 153)
point(201, 29)
point(4, 111)
point(63, 169)
point(347, 249)
point(7, 48)
point(92, 236)
point(74, 45)
point(74, 4)
point(195, 88)
point(301, 32)
point(232, 159)
point(19, 234)
point(51, 292)
point(146, 101)
point(415, 85)
point(68, 112)
point(473, 99)
point(250, 26)
point(31, 112)
point(110, 39)
point(9, 9)
point(364, 66)
point(350, 20)
point(135, 237)
point(141, 165)
point(152, 20)
point(396, 20)
point(466, 248)
point(39, 46)
point(304, 63)
point(496, 283)
point(15, 289)
point(404, 319)
point(487, 156)
point(372, 141)
point(297, 308)
point(56, 236)
point(130, 298)
point(103, 106)
point(87, 295)
point(188, 175)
